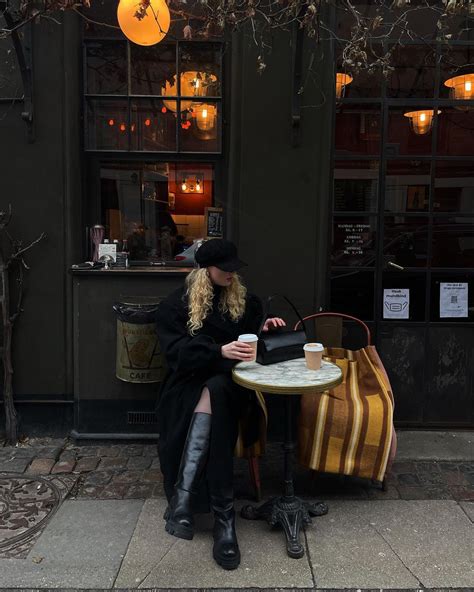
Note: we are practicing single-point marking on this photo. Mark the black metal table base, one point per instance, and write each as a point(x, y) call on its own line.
point(290, 513)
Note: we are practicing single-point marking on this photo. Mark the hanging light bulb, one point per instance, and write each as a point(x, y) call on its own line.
point(111, 122)
point(123, 127)
point(461, 88)
point(191, 86)
point(145, 22)
point(342, 80)
point(198, 185)
point(184, 185)
point(421, 121)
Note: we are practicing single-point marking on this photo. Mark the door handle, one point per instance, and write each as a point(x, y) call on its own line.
point(395, 265)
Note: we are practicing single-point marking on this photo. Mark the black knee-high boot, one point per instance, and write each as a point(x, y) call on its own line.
point(226, 548)
point(179, 515)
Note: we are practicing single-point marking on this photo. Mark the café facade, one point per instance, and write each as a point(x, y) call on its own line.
point(355, 196)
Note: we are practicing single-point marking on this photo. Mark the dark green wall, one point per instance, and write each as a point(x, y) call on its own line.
point(42, 181)
point(278, 195)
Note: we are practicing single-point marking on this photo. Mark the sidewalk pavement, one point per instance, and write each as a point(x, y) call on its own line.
point(89, 516)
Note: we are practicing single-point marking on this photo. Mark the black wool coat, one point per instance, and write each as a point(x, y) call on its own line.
point(192, 362)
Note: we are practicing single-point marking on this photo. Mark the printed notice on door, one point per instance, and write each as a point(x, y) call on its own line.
point(396, 303)
point(453, 300)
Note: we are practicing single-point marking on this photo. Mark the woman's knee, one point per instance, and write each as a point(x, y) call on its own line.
point(204, 405)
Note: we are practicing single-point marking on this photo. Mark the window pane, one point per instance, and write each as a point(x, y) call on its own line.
point(456, 132)
point(407, 185)
point(414, 74)
point(421, 21)
point(403, 138)
point(352, 292)
point(107, 124)
point(356, 185)
point(200, 69)
point(357, 129)
point(453, 242)
point(416, 284)
point(106, 67)
point(144, 202)
point(453, 307)
point(353, 241)
point(454, 186)
point(153, 125)
point(362, 85)
point(406, 240)
point(153, 70)
point(200, 128)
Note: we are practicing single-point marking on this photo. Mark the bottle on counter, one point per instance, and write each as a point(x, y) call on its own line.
point(122, 255)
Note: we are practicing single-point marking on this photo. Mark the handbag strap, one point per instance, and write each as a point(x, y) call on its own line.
point(266, 310)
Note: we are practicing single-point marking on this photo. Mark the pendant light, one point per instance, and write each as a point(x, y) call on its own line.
point(342, 80)
point(145, 22)
point(421, 121)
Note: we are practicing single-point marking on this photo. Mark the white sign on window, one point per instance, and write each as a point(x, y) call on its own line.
point(396, 303)
point(453, 299)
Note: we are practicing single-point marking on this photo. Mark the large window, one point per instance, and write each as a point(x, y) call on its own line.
point(165, 98)
point(156, 207)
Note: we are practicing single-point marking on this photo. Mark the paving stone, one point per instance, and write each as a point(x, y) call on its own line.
point(63, 466)
point(90, 491)
point(67, 455)
point(86, 464)
point(22, 452)
point(49, 452)
point(378, 494)
point(408, 479)
point(139, 491)
point(133, 450)
point(139, 462)
point(403, 467)
point(14, 465)
point(463, 494)
point(108, 451)
point(117, 462)
point(411, 493)
point(99, 478)
point(468, 508)
point(158, 490)
point(128, 477)
point(114, 491)
point(152, 475)
point(40, 466)
point(155, 463)
point(87, 451)
point(150, 450)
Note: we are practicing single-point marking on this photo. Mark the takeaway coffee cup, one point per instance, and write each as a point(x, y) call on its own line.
point(252, 340)
point(313, 352)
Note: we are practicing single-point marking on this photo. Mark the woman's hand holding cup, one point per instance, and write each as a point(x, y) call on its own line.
point(244, 349)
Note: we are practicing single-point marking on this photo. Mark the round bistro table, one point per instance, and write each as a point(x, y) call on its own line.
point(287, 378)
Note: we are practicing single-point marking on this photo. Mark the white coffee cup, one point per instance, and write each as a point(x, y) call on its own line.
point(313, 353)
point(252, 340)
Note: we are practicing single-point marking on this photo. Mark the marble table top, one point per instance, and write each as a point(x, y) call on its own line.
point(291, 377)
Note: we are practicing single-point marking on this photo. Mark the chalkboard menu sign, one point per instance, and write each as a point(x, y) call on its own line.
point(214, 222)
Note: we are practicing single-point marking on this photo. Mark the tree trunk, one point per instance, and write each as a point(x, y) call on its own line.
point(11, 417)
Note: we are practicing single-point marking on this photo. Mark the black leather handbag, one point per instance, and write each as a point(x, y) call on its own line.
point(280, 346)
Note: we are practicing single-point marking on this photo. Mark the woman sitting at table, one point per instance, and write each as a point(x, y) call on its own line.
point(199, 405)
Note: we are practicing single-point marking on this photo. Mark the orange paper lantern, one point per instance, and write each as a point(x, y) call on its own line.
point(145, 22)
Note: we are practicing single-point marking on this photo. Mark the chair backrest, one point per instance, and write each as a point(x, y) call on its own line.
point(329, 327)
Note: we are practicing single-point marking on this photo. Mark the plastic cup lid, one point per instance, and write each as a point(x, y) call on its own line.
point(248, 337)
point(315, 347)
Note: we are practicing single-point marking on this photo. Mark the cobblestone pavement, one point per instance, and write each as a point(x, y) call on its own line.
point(111, 470)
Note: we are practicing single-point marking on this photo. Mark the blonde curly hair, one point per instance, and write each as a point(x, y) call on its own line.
point(199, 290)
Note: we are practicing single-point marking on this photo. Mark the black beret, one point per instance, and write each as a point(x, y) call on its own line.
point(220, 253)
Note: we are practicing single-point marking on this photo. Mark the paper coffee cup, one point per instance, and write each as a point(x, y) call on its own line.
point(313, 353)
point(252, 340)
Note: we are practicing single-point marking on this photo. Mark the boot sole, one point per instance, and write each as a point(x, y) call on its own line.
point(227, 563)
point(179, 531)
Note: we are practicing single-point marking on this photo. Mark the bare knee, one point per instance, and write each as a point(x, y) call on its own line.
point(204, 405)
